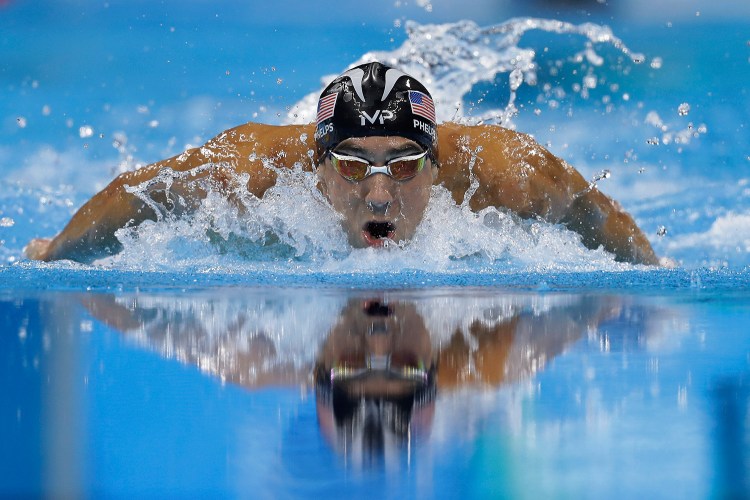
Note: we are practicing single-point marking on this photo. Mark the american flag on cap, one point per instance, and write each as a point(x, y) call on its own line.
point(326, 106)
point(422, 105)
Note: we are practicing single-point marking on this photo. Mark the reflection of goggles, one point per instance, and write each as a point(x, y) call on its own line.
point(356, 169)
point(395, 366)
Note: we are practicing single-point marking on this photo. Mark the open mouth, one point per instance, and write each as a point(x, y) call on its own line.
point(376, 233)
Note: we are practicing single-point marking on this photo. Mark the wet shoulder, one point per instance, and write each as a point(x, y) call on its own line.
point(491, 154)
point(253, 145)
point(512, 169)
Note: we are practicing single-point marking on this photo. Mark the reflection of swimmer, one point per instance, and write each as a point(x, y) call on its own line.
point(375, 378)
point(378, 368)
point(371, 120)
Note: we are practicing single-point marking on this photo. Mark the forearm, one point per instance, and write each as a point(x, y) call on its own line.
point(601, 222)
point(90, 234)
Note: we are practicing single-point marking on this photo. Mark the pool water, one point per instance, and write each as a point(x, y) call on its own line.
point(199, 392)
point(182, 366)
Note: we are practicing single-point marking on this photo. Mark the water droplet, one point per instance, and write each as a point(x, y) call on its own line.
point(656, 62)
point(21, 122)
point(278, 81)
point(683, 109)
point(85, 131)
point(515, 79)
point(153, 123)
point(7, 222)
point(604, 174)
point(654, 141)
point(46, 110)
point(662, 231)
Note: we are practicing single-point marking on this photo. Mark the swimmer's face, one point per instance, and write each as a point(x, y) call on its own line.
point(378, 208)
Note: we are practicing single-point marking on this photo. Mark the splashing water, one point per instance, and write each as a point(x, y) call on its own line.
point(451, 59)
point(292, 229)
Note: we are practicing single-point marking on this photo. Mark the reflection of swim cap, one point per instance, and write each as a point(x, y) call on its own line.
point(375, 99)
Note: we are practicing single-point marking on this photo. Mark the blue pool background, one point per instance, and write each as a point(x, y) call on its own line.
point(90, 89)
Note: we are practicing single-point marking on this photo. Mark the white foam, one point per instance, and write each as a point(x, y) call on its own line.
point(294, 230)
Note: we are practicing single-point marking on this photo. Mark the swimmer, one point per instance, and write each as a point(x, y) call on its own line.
point(377, 150)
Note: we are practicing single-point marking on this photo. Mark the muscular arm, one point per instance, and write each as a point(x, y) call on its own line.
point(90, 234)
point(515, 172)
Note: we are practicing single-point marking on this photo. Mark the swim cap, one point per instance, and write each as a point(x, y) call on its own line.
point(373, 425)
point(375, 99)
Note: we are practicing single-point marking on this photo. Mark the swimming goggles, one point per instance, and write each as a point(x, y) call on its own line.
point(355, 169)
point(394, 366)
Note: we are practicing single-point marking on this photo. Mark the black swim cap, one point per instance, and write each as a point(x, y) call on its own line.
point(375, 99)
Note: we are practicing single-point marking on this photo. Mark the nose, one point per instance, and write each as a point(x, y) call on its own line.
point(379, 197)
point(379, 208)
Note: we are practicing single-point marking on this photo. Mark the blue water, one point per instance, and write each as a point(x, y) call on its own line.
point(110, 385)
point(606, 394)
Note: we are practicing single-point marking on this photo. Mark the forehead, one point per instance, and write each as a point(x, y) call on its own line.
point(377, 144)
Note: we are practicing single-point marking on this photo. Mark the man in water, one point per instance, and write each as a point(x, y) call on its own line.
point(376, 151)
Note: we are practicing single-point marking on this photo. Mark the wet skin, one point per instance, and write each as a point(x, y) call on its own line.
point(379, 208)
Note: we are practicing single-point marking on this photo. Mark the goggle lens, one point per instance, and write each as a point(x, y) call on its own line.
point(406, 168)
point(349, 168)
point(357, 169)
point(398, 365)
